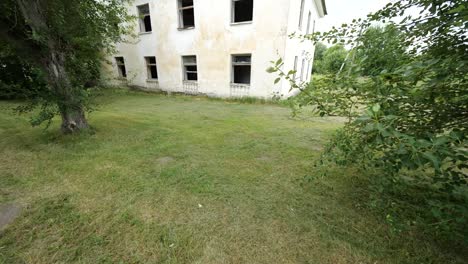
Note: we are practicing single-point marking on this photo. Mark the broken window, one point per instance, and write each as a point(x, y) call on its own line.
point(186, 14)
point(190, 68)
point(241, 68)
point(145, 18)
point(295, 67)
point(242, 11)
point(301, 14)
point(121, 67)
point(308, 22)
point(152, 68)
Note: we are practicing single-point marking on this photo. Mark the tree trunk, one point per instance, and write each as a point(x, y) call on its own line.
point(73, 121)
point(68, 100)
point(70, 106)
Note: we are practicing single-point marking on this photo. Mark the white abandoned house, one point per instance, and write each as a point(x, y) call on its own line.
point(219, 48)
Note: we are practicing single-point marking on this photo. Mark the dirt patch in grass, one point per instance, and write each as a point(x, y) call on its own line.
point(165, 160)
point(8, 213)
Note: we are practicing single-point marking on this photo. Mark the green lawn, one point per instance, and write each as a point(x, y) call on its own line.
point(178, 179)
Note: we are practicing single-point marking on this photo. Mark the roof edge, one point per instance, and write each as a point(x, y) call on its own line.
point(324, 7)
point(321, 7)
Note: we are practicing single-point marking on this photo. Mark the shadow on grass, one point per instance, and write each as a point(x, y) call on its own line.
point(348, 208)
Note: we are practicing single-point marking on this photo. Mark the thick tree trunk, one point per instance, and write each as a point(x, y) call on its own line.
point(71, 108)
point(73, 120)
point(68, 101)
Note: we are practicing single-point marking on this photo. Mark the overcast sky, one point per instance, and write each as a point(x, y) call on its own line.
point(342, 11)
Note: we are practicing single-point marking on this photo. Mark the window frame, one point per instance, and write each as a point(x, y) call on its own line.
point(180, 11)
point(234, 64)
point(303, 69)
point(309, 17)
point(233, 13)
point(296, 59)
point(141, 19)
point(185, 71)
point(301, 14)
point(119, 64)
point(148, 68)
point(313, 27)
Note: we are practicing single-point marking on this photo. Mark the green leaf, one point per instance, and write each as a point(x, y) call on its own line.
point(441, 141)
point(278, 62)
point(369, 127)
point(291, 72)
point(376, 108)
point(436, 213)
point(277, 80)
point(385, 133)
point(363, 119)
point(432, 158)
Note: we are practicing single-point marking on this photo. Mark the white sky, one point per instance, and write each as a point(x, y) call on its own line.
point(343, 11)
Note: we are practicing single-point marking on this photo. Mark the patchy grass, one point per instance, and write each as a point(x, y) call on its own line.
point(177, 179)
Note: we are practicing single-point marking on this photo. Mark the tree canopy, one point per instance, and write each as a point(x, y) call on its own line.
point(329, 60)
point(381, 48)
point(66, 41)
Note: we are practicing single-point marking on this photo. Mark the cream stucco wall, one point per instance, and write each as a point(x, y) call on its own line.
point(213, 40)
point(304, 50)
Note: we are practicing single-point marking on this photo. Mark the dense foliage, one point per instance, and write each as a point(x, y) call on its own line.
point(18, 79)
point(406, 121)
point(329, 60)
point(381, 48)
point(319, 51)
point(66, 41)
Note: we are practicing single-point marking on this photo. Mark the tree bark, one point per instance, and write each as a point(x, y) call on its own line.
point(68, 101)
point(73, 121)
point(71, 108)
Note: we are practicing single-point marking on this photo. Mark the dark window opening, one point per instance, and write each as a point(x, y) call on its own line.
point(192, 76)
point(154, 72)
point(121, 67)
point(147, 21)
point(241, 69)
point(242, 10)
point(123, 71)
point(243, 59)
point(145, 18)
point(152, 67)
point(186, 3)
point(186, 14)
point(242, 74)
point(188, 18)
point(190, 68)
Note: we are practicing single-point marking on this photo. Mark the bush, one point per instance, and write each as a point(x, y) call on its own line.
point(19, 79)
point(331, 60)
point(406, 124)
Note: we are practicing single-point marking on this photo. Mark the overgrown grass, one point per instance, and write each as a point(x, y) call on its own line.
point(179, 179)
